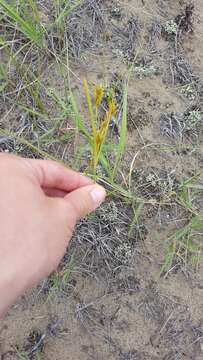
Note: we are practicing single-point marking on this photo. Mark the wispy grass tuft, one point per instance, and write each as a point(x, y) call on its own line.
point(185, 245)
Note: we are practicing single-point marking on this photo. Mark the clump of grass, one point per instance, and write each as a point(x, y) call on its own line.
point(188, 192)
point(155, 183)
point(81, 21)
point(59, 283)
point(102, 240)
point(63, 11)
point(185, 245)
point(181, 71)
point(31, 27)
point(181, 124)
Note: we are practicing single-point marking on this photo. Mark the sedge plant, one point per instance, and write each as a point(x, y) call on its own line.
point(99, 128)
point(97, 136)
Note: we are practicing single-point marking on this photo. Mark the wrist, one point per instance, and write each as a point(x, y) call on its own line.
point(13, 282)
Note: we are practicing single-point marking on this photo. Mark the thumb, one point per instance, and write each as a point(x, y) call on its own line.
point(84, 200)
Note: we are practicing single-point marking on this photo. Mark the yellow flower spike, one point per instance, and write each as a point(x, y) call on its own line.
point(112, 107)
point(98, 142)
point(98, 95)
point(99, 132)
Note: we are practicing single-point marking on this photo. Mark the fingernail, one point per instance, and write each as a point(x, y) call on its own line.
point(98, 195)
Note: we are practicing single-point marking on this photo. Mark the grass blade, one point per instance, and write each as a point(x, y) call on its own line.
point(78, 119)
point(123, 131)
point(137, 212)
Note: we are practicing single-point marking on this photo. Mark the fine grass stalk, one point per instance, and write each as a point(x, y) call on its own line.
point(123, 130)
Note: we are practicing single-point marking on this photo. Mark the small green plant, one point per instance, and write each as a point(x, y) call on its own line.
point(188, 192)
point(193, 119)
point(188, 91)
point(123, 252)
point(185, 245)
point(171, 27)
point(144, 71)
point(62, 10)
point(58, 282)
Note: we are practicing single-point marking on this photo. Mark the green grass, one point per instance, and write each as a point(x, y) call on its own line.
point(31, 29)
point(60, 279)
point(63, 9)
point(185, 244)
point(22, 355)
point(137, 210)
point(189, 191)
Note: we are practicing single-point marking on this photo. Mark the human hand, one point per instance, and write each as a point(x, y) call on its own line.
point(40, 203)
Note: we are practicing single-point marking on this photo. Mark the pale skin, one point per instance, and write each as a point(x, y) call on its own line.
point(40, 203)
